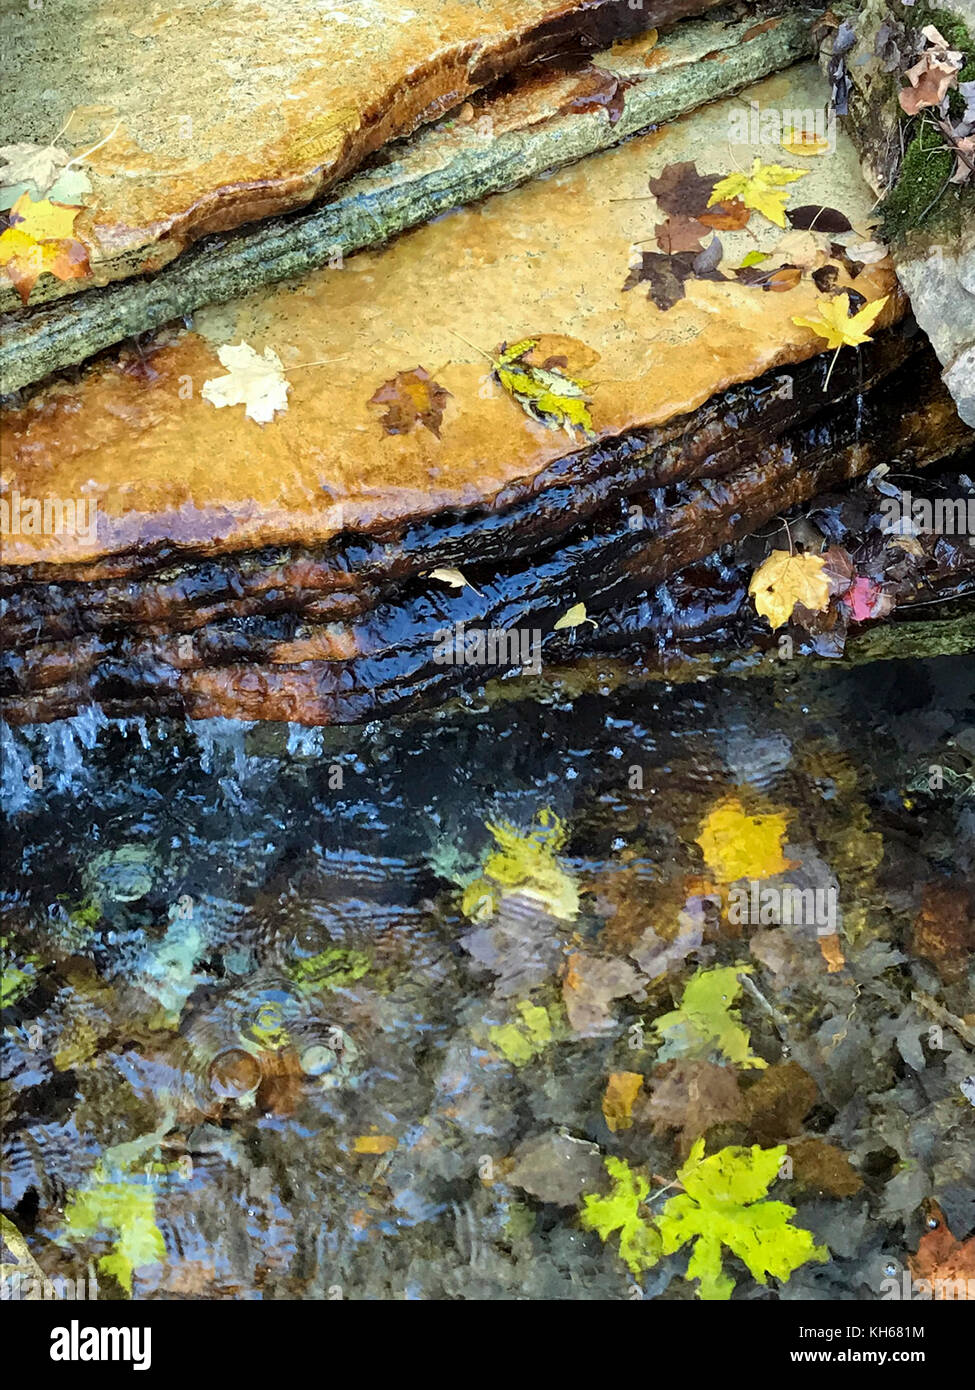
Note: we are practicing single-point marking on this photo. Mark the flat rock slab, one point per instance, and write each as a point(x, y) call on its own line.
point(222, 113)
point(168, 469)
point(550, 115)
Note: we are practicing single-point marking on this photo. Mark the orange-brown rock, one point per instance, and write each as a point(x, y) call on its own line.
point(220, 114)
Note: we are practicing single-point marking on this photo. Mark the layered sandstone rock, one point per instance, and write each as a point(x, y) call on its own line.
point(281, 570)
point(220, 114)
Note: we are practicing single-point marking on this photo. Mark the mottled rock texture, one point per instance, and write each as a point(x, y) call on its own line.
point(224, 112)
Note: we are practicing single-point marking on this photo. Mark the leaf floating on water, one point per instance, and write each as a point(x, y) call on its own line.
point(547, 393)
point(452, 577)
point(706, 1023)
point(722, 1205)
point(785, 580)
point(573, 617)
point(414, 399)
point(256, 382)
point(764, 189)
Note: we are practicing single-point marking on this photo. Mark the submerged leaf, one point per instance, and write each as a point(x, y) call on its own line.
point(706, 1022)
point(737, 843)
point(640, 1244)
point(526, 862)
point(128, 1209)
point(722, 1205)
point(414, 399)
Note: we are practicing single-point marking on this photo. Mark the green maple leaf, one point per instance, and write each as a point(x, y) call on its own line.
point(640, 1244)
point(763, 189)
point(706, 1022)
point(721, 1206)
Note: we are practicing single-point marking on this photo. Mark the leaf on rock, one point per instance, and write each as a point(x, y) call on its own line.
point(620, 1211)
point(837, 325)
point(722, 1205)
point(622, 1089)
point(254, 381)
point(573, 617)
point(452, 577)
point(547, 393)
point(414, 399)
point(813, 217)
point(764, 189)
point(680, 189)
point(785, 580)
point(866, 599)
point(39, 240)
point(737, 843)
point(706, 1023)
point(41, 170)
point(666, 275)
point(679, 234)
point(932, 75)
point(600, 90)
point(777, 278)
point(730, 215)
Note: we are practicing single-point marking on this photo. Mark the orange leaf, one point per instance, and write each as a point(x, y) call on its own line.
point(730, 215)
point(941, 1258)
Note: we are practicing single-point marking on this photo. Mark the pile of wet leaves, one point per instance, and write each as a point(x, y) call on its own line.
point(665, 993)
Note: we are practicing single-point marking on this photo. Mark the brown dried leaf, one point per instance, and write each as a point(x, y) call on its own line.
point(414, 399)
point(941, 1256)
point(681, 189)
point(679, 234)
point(690, 1096)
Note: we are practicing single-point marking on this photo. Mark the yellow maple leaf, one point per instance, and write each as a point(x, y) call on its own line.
point(43, 220)
point(737, 843)
point(763, 189)
point(837, 325)
point(785, 580)
point(40, 240)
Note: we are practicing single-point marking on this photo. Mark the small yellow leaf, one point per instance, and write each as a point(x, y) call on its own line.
point(452, 577)
point(374, 1144)
point(763, 189)
point(622, 1089)
point(574, 617)
point(43, 220)
point(785, 580)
